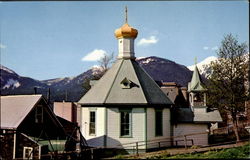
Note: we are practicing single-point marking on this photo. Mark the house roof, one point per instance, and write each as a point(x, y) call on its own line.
point(15, 108)
point(187, 115)
point(125, 83)
point(196, 83)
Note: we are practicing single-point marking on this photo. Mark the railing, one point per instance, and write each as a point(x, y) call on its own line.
point(199, 104)
point(228, 129)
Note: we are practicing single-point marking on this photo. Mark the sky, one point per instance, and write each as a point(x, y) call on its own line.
point(46, 40)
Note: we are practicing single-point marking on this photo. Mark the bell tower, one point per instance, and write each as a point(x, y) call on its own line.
point(197, 92)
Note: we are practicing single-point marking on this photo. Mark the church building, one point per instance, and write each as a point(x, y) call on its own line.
point(126, 105)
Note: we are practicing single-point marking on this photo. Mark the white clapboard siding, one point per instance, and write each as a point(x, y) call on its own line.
point(96, 140)
point(151, 127)
point(190, 128)
point(138, 128)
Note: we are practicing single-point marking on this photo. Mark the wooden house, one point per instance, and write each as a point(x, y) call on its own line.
point(29, 128)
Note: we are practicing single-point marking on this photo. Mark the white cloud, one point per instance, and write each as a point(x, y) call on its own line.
point(205, 48)
point(214, 48)
point(95, 55)
point(145, 42)
point(2, 46)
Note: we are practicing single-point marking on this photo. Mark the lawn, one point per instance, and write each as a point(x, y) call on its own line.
point(231, 153)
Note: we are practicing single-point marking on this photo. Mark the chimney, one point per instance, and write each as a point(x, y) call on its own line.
point(48, 95)
point(35, 90)
point(184, 92)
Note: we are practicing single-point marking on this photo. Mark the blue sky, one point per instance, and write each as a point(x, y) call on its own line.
point(46, 40)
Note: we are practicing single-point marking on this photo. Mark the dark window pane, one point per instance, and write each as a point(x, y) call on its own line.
point(92, 123)
point(125, 123)
point(158, 123)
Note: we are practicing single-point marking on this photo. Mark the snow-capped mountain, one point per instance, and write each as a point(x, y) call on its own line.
point(71, 88)
point(202, 65)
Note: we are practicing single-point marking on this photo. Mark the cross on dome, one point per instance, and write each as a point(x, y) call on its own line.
point(126, 31)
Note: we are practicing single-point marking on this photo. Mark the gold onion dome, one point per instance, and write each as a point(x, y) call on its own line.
point(126, 31)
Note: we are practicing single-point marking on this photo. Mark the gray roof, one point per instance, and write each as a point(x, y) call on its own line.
point(125, 83)
point(187, 115)
point(196, 83)
point(15, 108)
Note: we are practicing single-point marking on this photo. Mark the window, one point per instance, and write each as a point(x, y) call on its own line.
point(158, 122)
point(125, 123)
point(92, 123)
point(27, 152)
point(126, 83)
point(39, 114)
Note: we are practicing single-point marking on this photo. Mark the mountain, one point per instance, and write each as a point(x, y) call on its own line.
point(12, 83)
point(70, 88)
point(165, 70)
point(202, 65)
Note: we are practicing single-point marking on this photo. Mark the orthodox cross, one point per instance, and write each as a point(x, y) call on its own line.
point(126, 14)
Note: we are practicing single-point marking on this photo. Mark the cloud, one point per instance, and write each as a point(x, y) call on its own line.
point(205, 48)
point(214, 48)
point(95, 55)
point(2, 46)
point(145, 42)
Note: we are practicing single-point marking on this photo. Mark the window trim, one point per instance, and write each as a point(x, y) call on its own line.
point(94, 111)
point(130, 123)
point(39, 115)
point(24, 153)
point(161, 111)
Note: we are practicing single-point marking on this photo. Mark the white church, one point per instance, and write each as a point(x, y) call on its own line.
point(127, 106)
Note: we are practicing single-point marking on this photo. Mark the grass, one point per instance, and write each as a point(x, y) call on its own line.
point(232, 153)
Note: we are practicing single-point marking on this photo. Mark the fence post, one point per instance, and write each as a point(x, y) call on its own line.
point(91, 153)
point(137, 153)
point(185, 140)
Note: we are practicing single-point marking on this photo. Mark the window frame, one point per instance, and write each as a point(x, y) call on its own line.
point(90, 123)
point(39, 111)
point(30, 153)
point(156, 123)
point(129, 111)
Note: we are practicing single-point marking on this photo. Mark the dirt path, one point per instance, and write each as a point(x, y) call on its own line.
point(175, 151)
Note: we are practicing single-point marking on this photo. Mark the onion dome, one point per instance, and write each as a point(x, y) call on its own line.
point(126, 32)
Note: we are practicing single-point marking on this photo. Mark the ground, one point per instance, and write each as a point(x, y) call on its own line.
point(239, 150)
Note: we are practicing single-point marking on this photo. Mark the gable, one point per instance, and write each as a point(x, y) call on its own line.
point(110, 89)
point(15, 108)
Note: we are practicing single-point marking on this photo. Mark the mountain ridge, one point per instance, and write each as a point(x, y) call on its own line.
point(71, 88)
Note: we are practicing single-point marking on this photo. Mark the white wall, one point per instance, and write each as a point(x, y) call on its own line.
point(138, 127)
point(189, 128)
point(113, 127)
point(151, 127)
point(97, 139)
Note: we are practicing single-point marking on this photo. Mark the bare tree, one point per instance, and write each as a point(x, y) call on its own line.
point(106, 61)
point(226, 86)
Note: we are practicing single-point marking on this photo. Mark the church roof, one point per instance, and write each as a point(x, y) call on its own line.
point(125, 83)
point(186, 115)
point(196, 83)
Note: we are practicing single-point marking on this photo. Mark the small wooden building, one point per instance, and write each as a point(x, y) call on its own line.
point(196, 119)
point(125, 105)
point(29, 128)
